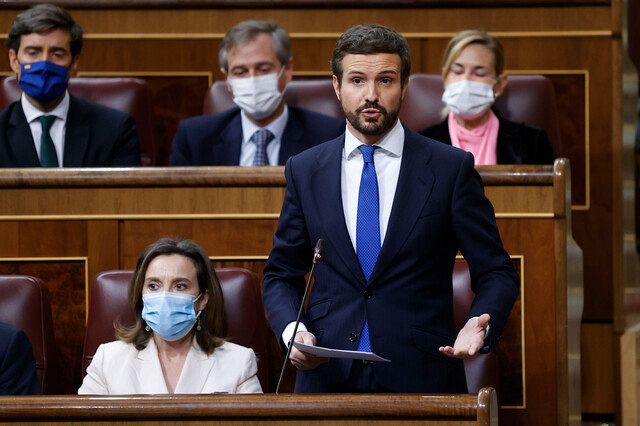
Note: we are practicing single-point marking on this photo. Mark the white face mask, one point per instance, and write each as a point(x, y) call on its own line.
point(467, 98)
point(258, 96)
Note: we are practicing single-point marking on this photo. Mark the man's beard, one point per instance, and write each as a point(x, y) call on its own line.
point(371, 127)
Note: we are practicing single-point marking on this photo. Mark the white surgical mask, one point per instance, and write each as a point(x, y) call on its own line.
point(467, 98)
point(257, 96)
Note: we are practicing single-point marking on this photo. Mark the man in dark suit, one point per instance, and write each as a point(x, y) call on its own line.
point(393, 209)
point(17, 364)
point(255, 56)
point(48, 127)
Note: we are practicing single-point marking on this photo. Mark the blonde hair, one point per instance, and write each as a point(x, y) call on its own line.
point(465, 38)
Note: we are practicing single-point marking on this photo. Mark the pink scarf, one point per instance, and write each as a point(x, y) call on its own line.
point(481, 141)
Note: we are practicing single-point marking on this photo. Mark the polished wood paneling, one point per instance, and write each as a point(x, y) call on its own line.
point(301, 3)
point(598, 355)
point(233, 213)
point(478, 409)
point(629, 378)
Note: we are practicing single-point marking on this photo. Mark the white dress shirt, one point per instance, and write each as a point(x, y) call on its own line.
point(248, 147)
point(58, 128)
point(387, 159)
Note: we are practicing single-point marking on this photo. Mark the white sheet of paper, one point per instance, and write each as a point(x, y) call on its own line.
point(338, 353)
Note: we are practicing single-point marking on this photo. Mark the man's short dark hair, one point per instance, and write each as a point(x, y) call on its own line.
point(369, 39)
point(246, 31)
point(41, 19)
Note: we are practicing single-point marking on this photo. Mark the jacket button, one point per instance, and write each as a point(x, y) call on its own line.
point(367, 294)
point(353, 337)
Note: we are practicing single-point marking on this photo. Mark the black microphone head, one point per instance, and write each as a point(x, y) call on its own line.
point(318, 251)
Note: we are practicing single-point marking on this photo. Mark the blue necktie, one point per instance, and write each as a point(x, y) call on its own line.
point(367, 227)
point(48, 156)
point(261, 138)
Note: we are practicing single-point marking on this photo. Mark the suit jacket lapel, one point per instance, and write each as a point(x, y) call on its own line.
point(149, 372)
point(196, 370)
point(291, 138)
point(328, 195)
point(415, 184)
point(227, 151)
point(78, 131)
point(20, 139)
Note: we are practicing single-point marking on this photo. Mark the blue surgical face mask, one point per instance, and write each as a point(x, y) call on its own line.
point(43, 81)
point(170, 315)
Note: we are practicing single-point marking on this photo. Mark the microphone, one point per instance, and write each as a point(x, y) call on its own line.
point(318, 252)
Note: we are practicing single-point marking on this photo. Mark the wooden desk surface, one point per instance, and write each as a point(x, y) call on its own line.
point(478, 409)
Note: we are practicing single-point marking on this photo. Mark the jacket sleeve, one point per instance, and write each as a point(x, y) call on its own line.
point(94, 382)
point(249, 382)
point(493, 278)
point(288, 262)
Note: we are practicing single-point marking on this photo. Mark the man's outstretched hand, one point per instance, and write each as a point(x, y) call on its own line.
point(470, 339)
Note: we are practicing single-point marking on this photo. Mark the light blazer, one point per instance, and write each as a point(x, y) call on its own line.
point(216, 140)
point(118, 368)
point(439, 207)
point(96, 136)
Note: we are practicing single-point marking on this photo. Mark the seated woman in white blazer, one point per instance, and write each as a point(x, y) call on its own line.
point(171, 348)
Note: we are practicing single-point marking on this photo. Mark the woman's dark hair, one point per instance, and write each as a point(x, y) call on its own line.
point(211, 318)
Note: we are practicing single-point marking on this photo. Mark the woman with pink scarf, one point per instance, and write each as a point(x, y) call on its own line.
point(473, 72)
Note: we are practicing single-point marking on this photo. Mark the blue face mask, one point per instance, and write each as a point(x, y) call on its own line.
point(170, 315)
point(43, 81)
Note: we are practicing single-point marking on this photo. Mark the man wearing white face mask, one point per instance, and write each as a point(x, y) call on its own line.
point(256, 58)
point(473, 72)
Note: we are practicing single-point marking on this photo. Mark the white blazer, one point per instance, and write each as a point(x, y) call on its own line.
point(118, 368)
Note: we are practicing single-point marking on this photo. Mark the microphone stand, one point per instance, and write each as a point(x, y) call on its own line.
point(317, 257)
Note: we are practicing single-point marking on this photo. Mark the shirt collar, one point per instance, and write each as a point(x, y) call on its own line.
point(276, 126)
point(32, 113)
point(392, 143)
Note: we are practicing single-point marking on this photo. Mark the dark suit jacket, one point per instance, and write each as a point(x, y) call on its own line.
point(439, 207)
point(96, 136)
point(517, 142)
point(17, 364)
point(215, 140)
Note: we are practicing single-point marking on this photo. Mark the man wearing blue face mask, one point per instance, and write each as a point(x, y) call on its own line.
point(256, 58)
point(48, 127)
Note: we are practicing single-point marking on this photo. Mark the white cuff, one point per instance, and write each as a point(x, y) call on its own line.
point(287, 334)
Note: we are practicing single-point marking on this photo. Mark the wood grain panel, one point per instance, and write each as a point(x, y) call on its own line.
point(421, 20)
point(478, 409)
point(532, 238)
point(511, 351)
point(219, 238)
point(138, 201)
